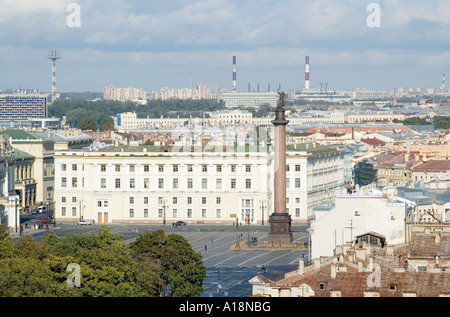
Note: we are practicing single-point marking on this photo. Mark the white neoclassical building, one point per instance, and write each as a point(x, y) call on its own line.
point(152, 185)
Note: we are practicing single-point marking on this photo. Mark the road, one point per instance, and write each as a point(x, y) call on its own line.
point(229, 269)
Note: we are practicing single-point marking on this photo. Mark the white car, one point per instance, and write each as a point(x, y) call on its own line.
point(84, 222)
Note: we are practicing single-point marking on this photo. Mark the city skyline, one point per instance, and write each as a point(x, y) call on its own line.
point(372, 44)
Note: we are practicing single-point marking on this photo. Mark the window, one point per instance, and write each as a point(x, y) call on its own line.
point(160, 200)
point(297, 212)
point(117, 168)
point(132, 168)
point(146, 168)
point(218, 213)
point(63, 182)
point(233, 183)
point(174, 200)
point(233, 168)
point(103, 183)
point(189, 200)
point(204, 200)
point(189, 168)
point(74, 211)
point(297, 200)
point(63, 211)
point(117, 182)
point(175, 183)
point(131, 200)
point(160, 168)
point(204, 168)
point(131, 212)
point(219, 183)
point(189, 213)
point(189, 183)
point(146, 200)
point(74, 199)
point(218, 168)
point(248, 168)
point(297, 168)
point(63, 199)
point(160, 213)
point(287, 168)
point(288, 183)
point(203, 213)
point(321, 285)
point(99, 203)
point(146, 183)
point(161, 183)
point(218, 200)
point(102, 168)
point(132, 183)
point(174, 213)
point(74, 182)
point(145, 213)
point(64, 167)
point(248, 183)
point(204, 183)
point(175, 168)
point(74, 167)
point(297, 183)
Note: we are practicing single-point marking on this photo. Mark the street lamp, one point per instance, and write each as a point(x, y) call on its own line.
point(164, 210)
point(261, 202)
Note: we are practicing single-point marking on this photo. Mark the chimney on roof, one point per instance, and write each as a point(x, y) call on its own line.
point(301, 266)
point(333, 271)
point(437, 238)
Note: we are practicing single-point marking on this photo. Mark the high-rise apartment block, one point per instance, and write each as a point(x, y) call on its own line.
point(22, 106)
point(123, 93)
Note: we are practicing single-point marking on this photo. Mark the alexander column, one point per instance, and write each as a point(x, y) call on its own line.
point(280, 221)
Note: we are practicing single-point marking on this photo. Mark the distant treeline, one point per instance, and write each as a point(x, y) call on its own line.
point(101, 111)
point(439, 122)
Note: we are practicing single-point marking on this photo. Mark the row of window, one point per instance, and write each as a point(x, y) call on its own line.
point(160, 212)
point(175, 168)
point(175, 183)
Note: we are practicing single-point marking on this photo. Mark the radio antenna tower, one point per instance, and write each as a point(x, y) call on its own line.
point(53, 57)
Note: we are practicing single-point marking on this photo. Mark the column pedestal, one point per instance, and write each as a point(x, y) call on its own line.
point(280, 230)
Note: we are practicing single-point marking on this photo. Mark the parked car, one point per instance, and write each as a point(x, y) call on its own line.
point(41, 209)
point(179, 223)
point(34, 211)
point(84, 222)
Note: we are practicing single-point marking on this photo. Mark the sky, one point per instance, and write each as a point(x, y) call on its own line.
point(149, 44)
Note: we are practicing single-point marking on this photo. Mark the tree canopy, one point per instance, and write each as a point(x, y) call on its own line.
point(154, 265)
point(99, 110)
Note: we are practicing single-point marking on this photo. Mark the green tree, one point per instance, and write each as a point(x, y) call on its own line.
point(182, 268)
point(87, 124)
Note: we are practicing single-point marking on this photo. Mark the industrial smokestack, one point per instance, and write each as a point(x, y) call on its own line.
point(234, 73)
point(307, 72)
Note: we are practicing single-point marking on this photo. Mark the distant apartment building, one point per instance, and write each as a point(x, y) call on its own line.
point(123, 93)
point(23, 106)
point(362, 93)
point(233, 99)
point(200, 92)
point(163, 184)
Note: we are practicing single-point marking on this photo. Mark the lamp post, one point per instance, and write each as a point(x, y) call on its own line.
point(164, 211)
point(261, 202)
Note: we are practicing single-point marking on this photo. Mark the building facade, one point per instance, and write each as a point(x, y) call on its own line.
point(140, 185)
point(23, 106)
point(235, 99)
point(123, 93)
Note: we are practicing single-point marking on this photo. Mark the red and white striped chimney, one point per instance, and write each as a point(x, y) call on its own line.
point(307, 72)
point(234, 73)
